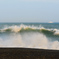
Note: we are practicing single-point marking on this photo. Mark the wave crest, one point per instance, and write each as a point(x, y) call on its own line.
point(23, 27)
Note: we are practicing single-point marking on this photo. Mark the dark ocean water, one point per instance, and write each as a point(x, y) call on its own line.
point(30, 35)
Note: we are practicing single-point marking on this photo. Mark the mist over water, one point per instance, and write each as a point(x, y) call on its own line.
point(29, 36)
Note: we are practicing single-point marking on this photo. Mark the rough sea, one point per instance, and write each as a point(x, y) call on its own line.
point(30, 35)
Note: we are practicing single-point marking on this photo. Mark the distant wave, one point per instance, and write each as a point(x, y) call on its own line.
point(23, 27)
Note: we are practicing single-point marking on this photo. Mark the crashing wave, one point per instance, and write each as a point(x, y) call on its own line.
point(29, 28)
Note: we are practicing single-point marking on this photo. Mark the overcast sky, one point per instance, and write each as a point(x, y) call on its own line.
point(29, 10)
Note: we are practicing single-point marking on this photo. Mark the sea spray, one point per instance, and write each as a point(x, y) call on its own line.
point(40, 36)
point(17, 40)
point(29, 40)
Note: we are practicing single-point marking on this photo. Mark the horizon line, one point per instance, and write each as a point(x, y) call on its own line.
point(27, 22)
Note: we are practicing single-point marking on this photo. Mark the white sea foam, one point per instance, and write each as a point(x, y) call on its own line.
point(16, 28)
point(56, 31)
point(29, 40)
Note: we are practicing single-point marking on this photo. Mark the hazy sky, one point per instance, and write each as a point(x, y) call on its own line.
point(29, 10)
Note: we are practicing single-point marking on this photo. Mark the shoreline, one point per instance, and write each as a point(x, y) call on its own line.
point(28, 53)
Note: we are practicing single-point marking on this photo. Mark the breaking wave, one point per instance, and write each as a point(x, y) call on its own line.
point(29, 40)
point(29, 37)
point(22, 27)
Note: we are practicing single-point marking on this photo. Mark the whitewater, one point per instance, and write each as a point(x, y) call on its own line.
point(30, 35)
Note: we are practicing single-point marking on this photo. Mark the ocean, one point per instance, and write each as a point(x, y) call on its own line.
point(30, 35)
